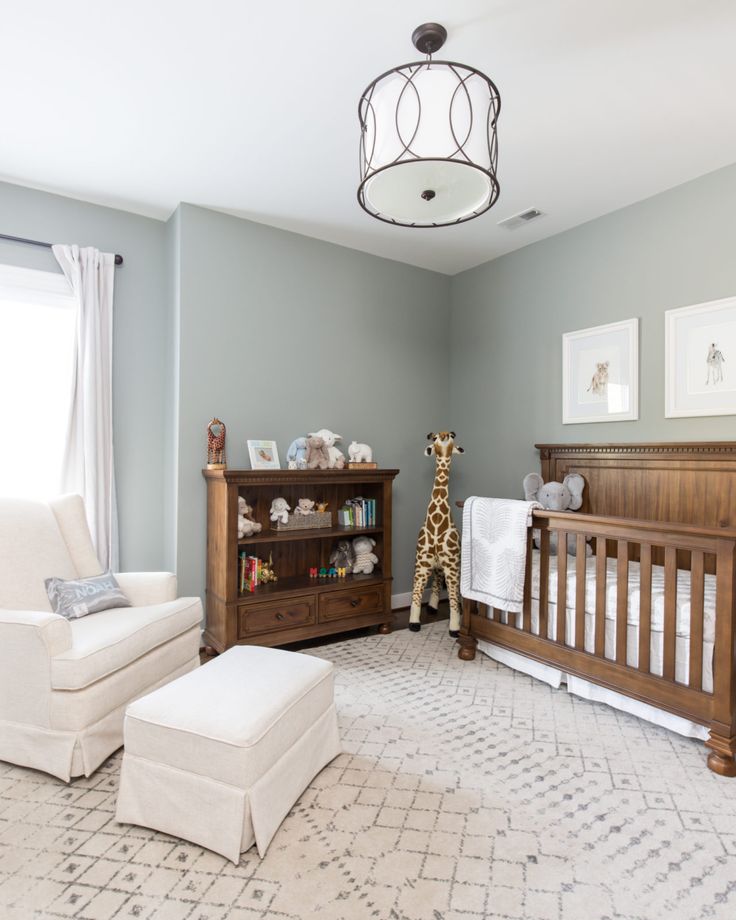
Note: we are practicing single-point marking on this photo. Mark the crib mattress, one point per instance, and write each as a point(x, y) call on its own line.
point(656, 646)
point(682, 627)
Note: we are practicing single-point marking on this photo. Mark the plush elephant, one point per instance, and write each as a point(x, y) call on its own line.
point(556, 496)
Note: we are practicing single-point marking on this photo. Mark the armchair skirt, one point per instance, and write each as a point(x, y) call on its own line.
point(64, 685)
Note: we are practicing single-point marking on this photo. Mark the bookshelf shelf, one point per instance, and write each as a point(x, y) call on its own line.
point(295, 607)
point(316, 533)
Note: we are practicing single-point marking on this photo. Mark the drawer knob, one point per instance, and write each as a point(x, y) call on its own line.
point(354, 602)
point(280, 616)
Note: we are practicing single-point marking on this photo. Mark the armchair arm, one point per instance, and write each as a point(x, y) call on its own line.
point(144, 588)
point(28, 641)
point(50, 629)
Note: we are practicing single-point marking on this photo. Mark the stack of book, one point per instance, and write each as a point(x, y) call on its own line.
point(249, 572)
point(358, 513)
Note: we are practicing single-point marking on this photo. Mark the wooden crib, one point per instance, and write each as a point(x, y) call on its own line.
point(672, 505)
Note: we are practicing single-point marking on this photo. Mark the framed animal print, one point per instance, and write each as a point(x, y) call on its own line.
point(600, 374)
point(700, 359)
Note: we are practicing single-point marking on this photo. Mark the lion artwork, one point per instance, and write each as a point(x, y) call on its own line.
point(599, 382)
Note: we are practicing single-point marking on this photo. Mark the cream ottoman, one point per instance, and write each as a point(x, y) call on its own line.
point(221, 754)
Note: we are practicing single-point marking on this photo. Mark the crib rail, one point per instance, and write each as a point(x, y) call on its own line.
point(635, 539)
point(683, 662)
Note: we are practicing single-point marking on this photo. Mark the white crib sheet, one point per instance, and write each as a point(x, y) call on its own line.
point(657, 619)
point(580, 687)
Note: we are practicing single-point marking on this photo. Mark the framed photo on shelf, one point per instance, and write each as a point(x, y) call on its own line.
point(600, 373)
point(264, 455)
point(700, 359)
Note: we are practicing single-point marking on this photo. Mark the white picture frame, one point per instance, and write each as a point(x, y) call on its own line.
point(600, 373)
point(264, 455)
point(700, 359)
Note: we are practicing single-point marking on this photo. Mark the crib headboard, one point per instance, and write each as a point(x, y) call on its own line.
point(688, 483)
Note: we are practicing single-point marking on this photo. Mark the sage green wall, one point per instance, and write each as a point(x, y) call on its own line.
point(140, 336)
point(281, 334)
point(278, 333)
point(508, 316)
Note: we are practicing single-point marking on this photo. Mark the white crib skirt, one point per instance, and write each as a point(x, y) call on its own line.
point(590, 691)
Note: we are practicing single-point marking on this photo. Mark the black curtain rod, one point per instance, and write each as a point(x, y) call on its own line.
point(20, 239)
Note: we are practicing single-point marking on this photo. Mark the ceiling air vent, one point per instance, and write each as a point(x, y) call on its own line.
point(518, 220)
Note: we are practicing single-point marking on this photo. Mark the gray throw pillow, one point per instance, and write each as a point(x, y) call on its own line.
point(78, 597)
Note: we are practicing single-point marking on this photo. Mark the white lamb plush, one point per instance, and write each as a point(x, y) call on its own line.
point(246, 526)
point(365, 560)
point(337, 457)
point(280, 509)
point(360, 453)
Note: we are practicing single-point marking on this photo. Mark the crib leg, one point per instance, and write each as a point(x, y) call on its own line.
point(722, 758)
point(468, 645)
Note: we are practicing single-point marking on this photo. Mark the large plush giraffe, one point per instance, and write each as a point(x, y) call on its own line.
point(438, 544)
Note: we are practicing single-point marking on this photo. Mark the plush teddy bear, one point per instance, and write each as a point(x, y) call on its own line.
point(365, 559)
point(556, 496)
point(246, 525)
point(336, 456)
point(317, 454)
point(304, 506)
point(360, 453)
point(342, 556)
point(296, 455)
point(280, 510)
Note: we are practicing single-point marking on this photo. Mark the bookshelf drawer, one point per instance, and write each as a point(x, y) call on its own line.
point(356, 601)
point(297, 611)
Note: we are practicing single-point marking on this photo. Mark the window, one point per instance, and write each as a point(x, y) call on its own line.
point(37, 330)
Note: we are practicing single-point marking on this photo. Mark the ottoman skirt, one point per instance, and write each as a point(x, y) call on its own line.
point(216, 815)
point(221, 759)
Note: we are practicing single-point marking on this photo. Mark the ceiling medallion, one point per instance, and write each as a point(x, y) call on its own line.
point(428, 145)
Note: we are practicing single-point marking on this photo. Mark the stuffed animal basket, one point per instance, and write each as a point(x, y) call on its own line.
point(305, 521)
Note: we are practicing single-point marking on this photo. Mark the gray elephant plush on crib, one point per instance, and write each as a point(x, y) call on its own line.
point(556, 496)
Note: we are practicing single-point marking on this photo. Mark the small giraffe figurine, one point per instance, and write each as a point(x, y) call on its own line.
point(438, 544)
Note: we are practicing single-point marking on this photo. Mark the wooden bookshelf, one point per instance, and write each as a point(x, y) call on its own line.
point(295, 607)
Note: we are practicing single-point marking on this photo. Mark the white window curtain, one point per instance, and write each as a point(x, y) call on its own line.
point(88, 466)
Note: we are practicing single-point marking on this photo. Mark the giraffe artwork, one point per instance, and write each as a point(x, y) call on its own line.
point(438, 544)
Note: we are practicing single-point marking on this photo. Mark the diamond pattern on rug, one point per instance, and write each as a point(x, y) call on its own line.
point(466, 790)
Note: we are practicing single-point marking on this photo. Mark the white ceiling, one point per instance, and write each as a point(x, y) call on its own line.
point(251, 108)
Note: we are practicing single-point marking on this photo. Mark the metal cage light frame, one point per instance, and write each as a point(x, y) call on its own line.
point(417, 168)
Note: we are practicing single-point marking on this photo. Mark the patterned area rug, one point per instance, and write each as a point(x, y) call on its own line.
point(465, 790)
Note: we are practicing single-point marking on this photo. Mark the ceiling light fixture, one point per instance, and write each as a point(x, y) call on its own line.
point(428, 146)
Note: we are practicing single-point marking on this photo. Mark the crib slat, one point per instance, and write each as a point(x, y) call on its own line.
point(697, 585)
point(561, 584)
point(580, 591)
point(527, 603)
point(496, 614)
point(543, 582)
point(600, 596)
point(622, 599)
point(670, 612)
point(645, 605)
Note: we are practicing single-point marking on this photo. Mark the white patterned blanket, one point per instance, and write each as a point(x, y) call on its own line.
point(494, 551)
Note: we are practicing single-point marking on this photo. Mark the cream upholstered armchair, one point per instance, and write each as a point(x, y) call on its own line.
point(64, 684)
